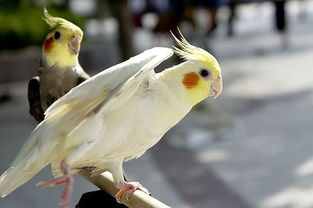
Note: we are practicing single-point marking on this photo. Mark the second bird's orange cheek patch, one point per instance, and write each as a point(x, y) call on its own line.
point(191, 80)
point(48, 44)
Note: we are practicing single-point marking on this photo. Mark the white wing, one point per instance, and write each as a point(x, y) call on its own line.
point(92, 125)
point(71, 110)
point(82, 99)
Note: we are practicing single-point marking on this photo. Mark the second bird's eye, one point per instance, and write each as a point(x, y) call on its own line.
point(57, 35)
point(204, 73)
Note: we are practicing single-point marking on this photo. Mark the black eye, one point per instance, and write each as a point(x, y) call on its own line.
point(204, 73)
point(57, 35)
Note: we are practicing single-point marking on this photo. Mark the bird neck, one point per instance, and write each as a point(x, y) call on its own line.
point(172, 79)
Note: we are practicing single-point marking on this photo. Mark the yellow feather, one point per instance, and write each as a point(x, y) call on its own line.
point(199, 93)
point(193, 54)
point(60, 55)
point(189, 52)
point(57, 22)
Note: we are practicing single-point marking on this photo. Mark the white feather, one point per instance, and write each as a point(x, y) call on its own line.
point(72, 124)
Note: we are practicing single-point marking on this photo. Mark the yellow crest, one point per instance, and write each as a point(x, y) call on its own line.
point(189, 52)
point(57, 22)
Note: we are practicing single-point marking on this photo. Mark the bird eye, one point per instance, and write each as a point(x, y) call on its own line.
point(57, 35)
point(204, 73)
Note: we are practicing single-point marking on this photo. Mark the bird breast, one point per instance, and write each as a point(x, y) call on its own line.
point(139, 124)
point(55, 82)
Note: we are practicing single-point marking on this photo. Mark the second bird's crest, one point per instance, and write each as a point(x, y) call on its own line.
point(54, 22)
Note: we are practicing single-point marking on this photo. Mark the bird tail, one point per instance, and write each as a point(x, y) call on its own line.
point(32, 158)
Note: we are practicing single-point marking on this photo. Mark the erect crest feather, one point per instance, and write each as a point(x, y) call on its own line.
point(189, 52)
point(57, 22)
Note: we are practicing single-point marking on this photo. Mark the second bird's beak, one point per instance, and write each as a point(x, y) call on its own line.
point(217, 87)
point(74, 44)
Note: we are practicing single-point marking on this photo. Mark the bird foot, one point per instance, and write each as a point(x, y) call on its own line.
point(128, 188)
point(55, 182)
point(66, 179)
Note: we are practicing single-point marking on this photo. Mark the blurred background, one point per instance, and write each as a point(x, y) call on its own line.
point(251, 147)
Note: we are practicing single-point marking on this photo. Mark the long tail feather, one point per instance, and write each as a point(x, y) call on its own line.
point(32, 158)
point(17, 175)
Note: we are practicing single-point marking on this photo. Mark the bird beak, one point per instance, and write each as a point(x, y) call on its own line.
point(217, 87)
point(74, 44)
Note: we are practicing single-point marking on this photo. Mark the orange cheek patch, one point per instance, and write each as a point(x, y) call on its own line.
point(48, 44)
point(191, 80)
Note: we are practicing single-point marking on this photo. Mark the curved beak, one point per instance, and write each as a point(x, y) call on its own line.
point(74, 44)
point(217, 87)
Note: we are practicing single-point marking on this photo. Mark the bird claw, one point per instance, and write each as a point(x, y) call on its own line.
point(66, 179)
point(55, 182)
point(128, 189)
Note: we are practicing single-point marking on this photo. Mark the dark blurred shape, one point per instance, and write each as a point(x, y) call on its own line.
point(98, 199)
point(5, 98)
point(212, 7)
point(280, 15)
point(122, 13)
point(139, 8)
point(232, 5)
point(170, 17)
point(281, 21)
point(34, 100)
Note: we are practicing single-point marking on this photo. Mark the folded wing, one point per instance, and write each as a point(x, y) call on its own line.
point(61, 119)
point(84, 98)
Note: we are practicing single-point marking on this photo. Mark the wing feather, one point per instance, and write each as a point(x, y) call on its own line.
point(81, 112)
point(79, 101)
point(125, 91)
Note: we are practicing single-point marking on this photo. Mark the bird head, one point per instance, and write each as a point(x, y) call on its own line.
point(200, 75)
point(62, 44)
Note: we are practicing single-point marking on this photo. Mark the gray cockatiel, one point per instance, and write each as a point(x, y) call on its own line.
point(59, 70)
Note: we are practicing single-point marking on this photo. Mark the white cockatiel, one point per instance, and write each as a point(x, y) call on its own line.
point(115, 116)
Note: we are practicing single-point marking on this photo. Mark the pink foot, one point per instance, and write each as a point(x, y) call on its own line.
point(128, 188)
point(55, 182)
point(66, 179)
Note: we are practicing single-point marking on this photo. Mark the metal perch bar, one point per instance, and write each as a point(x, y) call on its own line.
point(138, 200)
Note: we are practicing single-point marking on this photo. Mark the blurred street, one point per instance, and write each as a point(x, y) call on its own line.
point(251, 147)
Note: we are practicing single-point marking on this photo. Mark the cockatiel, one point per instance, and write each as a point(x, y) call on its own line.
point(59, 70)
point(115, 116)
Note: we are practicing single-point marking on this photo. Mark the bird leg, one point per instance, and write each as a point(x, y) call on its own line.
point(67, 179)
point(128, 188)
